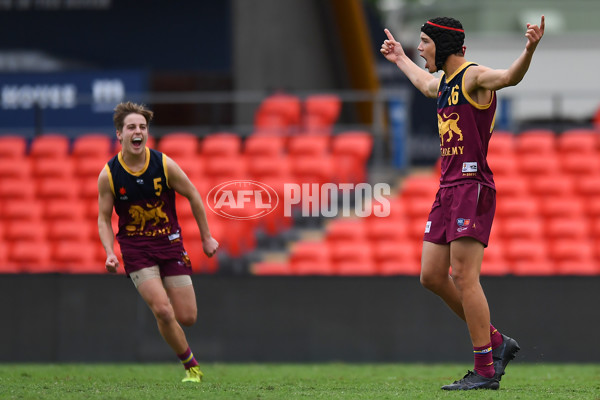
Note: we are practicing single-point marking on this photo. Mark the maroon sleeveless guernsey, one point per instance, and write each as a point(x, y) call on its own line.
point(465, 129)
point(144, 202)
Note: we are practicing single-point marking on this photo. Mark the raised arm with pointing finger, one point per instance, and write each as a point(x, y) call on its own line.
point(458, 227)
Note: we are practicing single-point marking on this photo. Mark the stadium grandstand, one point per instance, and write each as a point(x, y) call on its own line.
point(548, 219)
point(283, 109)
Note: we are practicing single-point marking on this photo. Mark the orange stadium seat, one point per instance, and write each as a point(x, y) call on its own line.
point(567, 206)
point(566, 228)
point(12, 147)
point(21, 209)
point(589, 187)
point(264, 167)
point(58, 209)
point(53, 188)
point(356, 268)
point(270, 125)
point(308, 145)
point(321, 111)
point(523, 206)
point(264, 146)
point(572, 250)
point(50, 145)
point(179, 145)
point(516, 227)
point(44, 168)
point(7, 267)
point(24, 231)
point(265, 268)
point(580, 165)
point(312, 169)
point(351, 151)
point(502, 143)
point(32, 256)
point(382, 230)
point(341, 230)
point(400, 258)
point(420, 186)
point(76, 257)
point(221, 144)
point(15, 168)
point(536, 141)
point(503, 164)
point(220, 170)
point(350, 252)
point(579, 141)
point(15, 188)
point(494, 263)
point(310, 258)
point(69, 230)
point(535, 165)
point(93, 145)
point(193, 167)
point(88, 168)
point(419, 208)
point(528, 257)
point(511, 186)
point(558, 185)
point(397, 208)
point(588, 267)
point(286, 108)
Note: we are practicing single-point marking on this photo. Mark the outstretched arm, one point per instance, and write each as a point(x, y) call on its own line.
point(423, 80)
point(494, 79)
point(179, 181)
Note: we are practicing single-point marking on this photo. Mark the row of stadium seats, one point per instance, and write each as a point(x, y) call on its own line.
point(48, 193)
point(59, 195)
point(547, 217)
point(389, 246)
point(286, 114)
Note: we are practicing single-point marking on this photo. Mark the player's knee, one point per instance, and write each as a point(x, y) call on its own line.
point(430, 281)
point(187, 320)
point(462, 279)
point(163, 312)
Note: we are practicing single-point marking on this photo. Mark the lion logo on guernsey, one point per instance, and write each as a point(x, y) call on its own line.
point(449, 126)
point(140, 216)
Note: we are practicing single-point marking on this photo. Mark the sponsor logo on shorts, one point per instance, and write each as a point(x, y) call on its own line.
point(463, 224)
point(428, 227)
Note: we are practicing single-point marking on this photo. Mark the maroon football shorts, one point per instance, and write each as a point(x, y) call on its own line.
point(463, 210)
point(171, 259)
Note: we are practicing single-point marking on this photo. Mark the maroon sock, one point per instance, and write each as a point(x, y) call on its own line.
point(187, 359)
point(495, 336)
point(484, 364)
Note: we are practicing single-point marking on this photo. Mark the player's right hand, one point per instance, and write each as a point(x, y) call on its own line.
point(112, 263)
point(210, 246)
point(391, 49)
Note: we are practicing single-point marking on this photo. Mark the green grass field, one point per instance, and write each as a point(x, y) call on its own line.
point(290, 381)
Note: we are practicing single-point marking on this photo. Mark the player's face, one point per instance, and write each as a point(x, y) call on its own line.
point(427, 51)
point(134, 135)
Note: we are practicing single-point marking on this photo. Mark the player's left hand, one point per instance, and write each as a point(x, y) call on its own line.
point(210, 246)
point(534, 34)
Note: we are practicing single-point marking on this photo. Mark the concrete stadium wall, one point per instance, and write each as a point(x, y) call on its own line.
point(54, 318)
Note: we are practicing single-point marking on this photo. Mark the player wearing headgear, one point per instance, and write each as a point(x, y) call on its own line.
point(460, 221)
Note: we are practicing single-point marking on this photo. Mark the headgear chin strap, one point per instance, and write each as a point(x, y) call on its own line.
point(447, 34)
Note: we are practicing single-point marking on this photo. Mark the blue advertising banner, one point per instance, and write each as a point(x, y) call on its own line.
point(65, 102)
